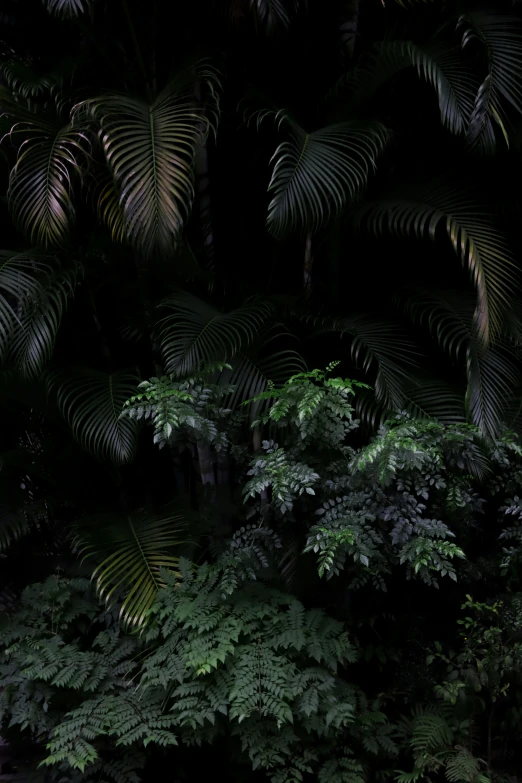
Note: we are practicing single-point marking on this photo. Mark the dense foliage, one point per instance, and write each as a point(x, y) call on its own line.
point(311, 573)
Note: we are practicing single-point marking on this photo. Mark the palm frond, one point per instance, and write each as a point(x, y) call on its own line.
point(493, 377)
point(33, 340)
point(40, 183)
point(480, 246)
point(150, 151)
point(439, 63)
point(21, 79)
point(501, 37)
point(447, 314)
point(21, 282)
point(435, 399)
point(132, 550)
point(67, 9)
point(381, 347)
point(316, 174)
point(195, 334)
point(91, 402)
point(13, 525)
point(442, 66)
point(110, 208)
point(255, 366)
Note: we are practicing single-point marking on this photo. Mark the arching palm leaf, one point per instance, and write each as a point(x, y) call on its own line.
point(150, 152)
point(316, 174)
point(437, 400)
point(493, 378)
point(40, 184)
point(33, 340)
point(13, 525)
point(492, 372)
point(22, 277)
point(447, 314)
point(133, 549)
point(475, 239)
point(273, 14)
point(502, 40)
point(442, 66)
point(255, 366)
point(66, 8)
point(92, 402)
point(380, 346)
point(439, 63)
point(22, 80)
point(196, 334)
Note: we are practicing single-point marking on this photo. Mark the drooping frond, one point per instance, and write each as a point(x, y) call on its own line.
point(150, 151)
point(195, 334)
point(23, 277)
point(381, 347)
point(273, 14)
point(439, 63)
point(22, 80)
point(254, 367)
point(40, 318)
point(92, 402)
point(133, 549)
point(501, 37)
point(40, 183)
point(435, 399)
point(315, 175)
point(13, 525)
point(67, 9)
point(475, 239)
point(447, 314)
point(442, 66)
point(493, 378)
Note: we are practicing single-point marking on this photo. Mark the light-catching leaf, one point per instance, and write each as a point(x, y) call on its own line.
point(475, 239)
point(40, 183)
point(150, 151)
point(133, 549)
point(92, 402)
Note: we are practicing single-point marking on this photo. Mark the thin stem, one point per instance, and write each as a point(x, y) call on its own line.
point(137, 49)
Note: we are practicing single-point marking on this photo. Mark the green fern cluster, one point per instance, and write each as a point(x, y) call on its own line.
point(178, 408)
point(252, 662)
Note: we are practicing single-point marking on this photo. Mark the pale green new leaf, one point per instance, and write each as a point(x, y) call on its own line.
point(195, 334)
point(475, 239)
point(92, 402)
point(133, 549)
point(315, 175)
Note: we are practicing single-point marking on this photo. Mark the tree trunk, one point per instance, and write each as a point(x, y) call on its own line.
point(206, 466)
